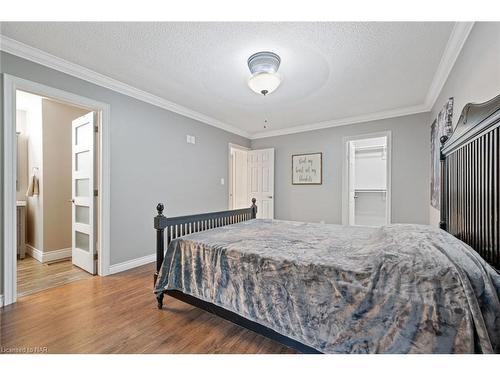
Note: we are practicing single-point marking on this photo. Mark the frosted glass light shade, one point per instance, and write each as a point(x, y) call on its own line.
point(264, 83)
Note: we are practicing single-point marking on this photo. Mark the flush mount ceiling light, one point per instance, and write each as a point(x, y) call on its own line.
point(264, 67)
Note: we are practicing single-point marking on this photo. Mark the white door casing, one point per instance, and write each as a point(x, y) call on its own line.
point(82, 181)
point(347, 176)
point(261, 181)
point(352, 173)
point(10, 85)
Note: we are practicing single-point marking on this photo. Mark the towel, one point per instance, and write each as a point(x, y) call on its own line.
point(33, 188)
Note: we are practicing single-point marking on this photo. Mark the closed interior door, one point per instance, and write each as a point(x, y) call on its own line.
point(239, 174)
point(261, 181)
point(83, 213)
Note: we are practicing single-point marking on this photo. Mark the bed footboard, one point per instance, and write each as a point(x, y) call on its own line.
point(176, 227)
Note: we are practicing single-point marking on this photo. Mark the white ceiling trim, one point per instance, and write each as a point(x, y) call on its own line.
point(345, 121)
point(455, 43)
point(43, 58)
point(457, 39)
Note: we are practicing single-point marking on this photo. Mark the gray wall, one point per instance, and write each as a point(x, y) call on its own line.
point(410, 170)
point(475, 76)
point(150, 160)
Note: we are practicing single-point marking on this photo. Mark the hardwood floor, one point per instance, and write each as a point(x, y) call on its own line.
point(118, 314)
point(33, 276)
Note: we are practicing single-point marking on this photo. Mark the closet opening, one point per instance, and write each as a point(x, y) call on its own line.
point(366, 198)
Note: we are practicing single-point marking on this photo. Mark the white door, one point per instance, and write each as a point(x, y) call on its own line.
point(239, 176)
point(261, 181)
point(83, 240)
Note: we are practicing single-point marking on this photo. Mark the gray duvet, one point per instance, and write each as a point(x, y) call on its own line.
point(393, 289)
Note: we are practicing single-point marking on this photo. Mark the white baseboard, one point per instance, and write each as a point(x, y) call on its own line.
point(123, 266)
point(34, 252)
point(1, 300)
point(48, 256)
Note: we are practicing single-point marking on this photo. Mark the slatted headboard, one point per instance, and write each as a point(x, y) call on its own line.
point(470, 193)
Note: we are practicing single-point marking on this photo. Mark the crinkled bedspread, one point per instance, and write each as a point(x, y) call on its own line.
point(393, 289)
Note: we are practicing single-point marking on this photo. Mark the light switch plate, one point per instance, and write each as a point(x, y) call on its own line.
point(222, 181)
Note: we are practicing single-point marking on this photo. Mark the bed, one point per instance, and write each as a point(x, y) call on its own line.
point(323, 288)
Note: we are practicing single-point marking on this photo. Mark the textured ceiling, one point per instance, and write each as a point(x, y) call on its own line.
point(330, 71)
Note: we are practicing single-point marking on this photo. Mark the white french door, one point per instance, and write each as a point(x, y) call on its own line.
point(83, 213)
point(261, 181)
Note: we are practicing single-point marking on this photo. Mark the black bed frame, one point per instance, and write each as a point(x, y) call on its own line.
point(470, 199)
point(469, 205)
point(179, 226)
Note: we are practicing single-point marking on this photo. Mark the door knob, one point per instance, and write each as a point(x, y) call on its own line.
point(71, 200)
point(270, 196)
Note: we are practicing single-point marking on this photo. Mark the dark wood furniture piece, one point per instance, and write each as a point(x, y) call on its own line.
point(179, 226)
point(469, 198)
point(470, 193)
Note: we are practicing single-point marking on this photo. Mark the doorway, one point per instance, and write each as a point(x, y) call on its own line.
point(86, 131)
point(251, 175)
point(48, 246)
point(367, 187)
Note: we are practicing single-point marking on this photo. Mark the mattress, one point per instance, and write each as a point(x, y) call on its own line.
point(338, 289)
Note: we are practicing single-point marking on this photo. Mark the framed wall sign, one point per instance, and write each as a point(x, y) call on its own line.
point(307, 169)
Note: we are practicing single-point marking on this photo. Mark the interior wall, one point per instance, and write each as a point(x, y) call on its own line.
point(475, 77)
point(56, 122)
point(22, 155)
point(151, 161)
point(370, 165)
point(410, 157)
point(1, 178)
point(32, 107)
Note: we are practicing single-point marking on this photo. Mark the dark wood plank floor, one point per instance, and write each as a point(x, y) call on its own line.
point(118, 314)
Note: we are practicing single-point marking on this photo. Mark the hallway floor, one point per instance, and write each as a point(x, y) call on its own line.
point(33, 276)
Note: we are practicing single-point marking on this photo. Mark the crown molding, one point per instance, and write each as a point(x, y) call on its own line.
point(344, 121)
point(46, 59)
point(458, 37)
point(456, 41)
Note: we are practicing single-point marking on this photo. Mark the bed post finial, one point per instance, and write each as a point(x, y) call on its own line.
point(254, 208)
point(160, 223)
point(160, 207)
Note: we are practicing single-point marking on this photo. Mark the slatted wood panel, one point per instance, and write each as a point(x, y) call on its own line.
point(473, 195)
point(181, 226)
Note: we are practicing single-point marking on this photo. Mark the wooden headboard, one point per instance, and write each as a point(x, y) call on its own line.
point(470, 179)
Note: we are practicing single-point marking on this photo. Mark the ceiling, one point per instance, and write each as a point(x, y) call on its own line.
point(332, 72)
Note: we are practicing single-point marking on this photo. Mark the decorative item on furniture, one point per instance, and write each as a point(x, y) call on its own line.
point(307, 169)
point(470, 173)
point(442, 126)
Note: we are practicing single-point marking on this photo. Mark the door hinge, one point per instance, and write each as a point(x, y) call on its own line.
point(95, 256)
point(96, 129)
point(96, 192)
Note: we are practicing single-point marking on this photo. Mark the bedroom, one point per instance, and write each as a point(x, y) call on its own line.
point(295, 98)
